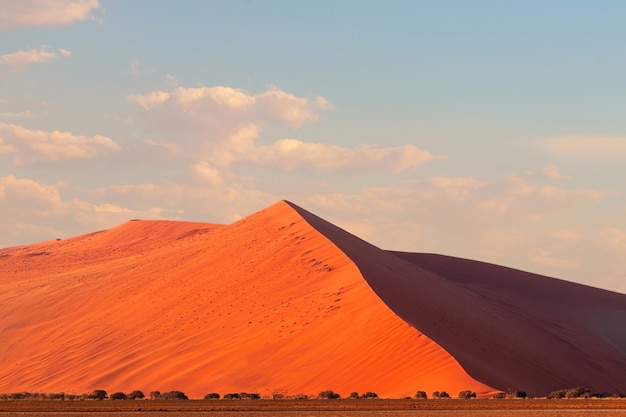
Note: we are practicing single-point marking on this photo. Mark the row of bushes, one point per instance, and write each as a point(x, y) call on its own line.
point(578, 392)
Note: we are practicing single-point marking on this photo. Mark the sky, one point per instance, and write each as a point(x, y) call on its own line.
point(487, 130)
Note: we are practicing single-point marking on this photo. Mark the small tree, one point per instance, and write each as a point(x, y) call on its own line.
point(136, 395)
point(328, 395)
point(231, 396)
point(467, 394)
point(516, 393)
point(354, 395)
point(57, 396)
point(118, 396)
point(175, 395)
point(155, 395)
point(212, 396)
point(370, 394)
point(98, 394)
point(421, 395)
point(277, 393)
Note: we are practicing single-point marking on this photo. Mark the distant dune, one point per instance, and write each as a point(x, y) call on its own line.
point(285, 301)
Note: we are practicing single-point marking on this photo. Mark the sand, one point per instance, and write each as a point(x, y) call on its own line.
point(262, 305)
point(282, 301)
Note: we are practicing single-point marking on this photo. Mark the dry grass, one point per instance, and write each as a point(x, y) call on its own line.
point(299, 408)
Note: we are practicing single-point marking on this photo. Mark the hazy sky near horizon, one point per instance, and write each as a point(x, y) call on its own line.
point(481, 129)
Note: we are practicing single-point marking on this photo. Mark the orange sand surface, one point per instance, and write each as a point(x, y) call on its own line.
point(264, 304)
point(509, 329)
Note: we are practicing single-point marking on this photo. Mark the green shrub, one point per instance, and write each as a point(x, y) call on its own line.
point(118, 396)
point(98, 394)
point(175, 395)
point(421, 395)
point(136, 395)
point(328, 395)
point(212, 396)
point(467, 394)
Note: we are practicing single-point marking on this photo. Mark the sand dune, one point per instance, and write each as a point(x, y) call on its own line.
point(283, 300)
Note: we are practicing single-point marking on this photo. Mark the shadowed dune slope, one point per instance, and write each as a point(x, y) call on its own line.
point(509, 329)
point(264, 304)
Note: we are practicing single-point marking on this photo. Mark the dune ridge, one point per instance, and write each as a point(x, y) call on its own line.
point(508, 328)
point(283, 300)
point(264, 304)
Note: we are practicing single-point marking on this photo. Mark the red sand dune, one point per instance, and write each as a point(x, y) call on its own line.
point(283, 300)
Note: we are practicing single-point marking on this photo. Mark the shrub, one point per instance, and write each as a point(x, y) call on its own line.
point(155, 395)
point(499, 396)
point(175, 395)
point(370, 394)
point(57, 396)
point(519, 394)
point(354, 395)
point(441, 394)
point(328, 395)
point(135, 395)
point(212, 396)
point(421, 395)
point(231, 396)
point(578, 392)
point(467, 394)
point(299, 396)
point(98, 394)
point(118, 396)
point(277, 393)
point(249, 396)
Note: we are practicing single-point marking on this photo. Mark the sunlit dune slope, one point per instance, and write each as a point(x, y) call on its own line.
point(509, 329)
point(268, 303)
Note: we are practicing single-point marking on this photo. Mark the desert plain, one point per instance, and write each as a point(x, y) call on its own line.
point(307, 408)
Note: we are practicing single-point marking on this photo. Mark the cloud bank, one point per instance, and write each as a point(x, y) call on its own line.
point(18, 61)
point(44, 13)
point(36, 146)
point(222, 125)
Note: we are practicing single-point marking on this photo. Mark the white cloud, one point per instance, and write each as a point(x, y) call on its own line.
point(613, 239)
point(222, 125)
point(29, 209)
point(548, 172)
point(169, 146)
point(592, 148)
point(18, 61)
point(65, 52)
point(207, 173)
point(566, 236)
point(38, 146)
point(149, 100)
point(26, 114)
point(6, 148)
point(546, 259)
point(44, 13)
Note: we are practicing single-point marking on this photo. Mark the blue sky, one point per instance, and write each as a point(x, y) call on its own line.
point(489, 130)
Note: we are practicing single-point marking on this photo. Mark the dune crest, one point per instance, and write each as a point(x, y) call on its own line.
point(266, 303)
point(508, 328)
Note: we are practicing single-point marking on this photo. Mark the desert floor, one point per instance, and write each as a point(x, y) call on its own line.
point(328, 408)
